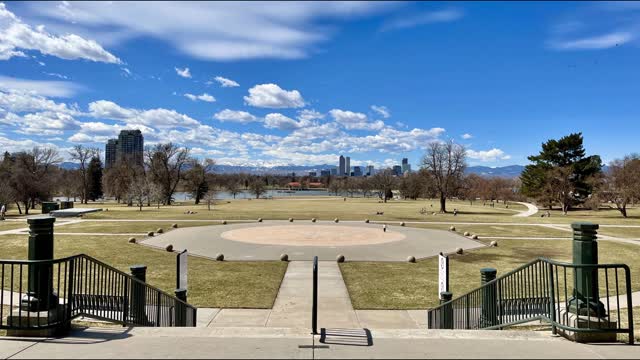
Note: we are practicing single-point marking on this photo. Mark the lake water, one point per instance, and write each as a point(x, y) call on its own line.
point(224, 195)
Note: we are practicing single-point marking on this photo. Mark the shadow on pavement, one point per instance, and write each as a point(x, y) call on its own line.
point(349, 337)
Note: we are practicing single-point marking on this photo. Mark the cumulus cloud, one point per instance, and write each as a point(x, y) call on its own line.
point(237, 116)
point(466, 136)
point(16, 36)
point(204, 97)
point(309, 115)
point(381, 110)
point(160, 117)
point(17, 101)
point(224, 82)
point(354, 121)
point(488, 155)
point(273, 97)
point(185, 73)
point(280, 122)
point(39, 87)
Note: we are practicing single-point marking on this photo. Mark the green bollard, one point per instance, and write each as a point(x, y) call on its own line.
point(138, 295)
point(446, 317)
point(488, 310)
point(40, 293)
point(586, 298)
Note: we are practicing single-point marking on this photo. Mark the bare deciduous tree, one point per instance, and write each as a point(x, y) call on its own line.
point(166, 163)
point(83, 155)
point(446, 163)
point(620, 184)
point(383, 182)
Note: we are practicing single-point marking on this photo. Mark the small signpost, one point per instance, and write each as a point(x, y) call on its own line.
point(181, 270)
point(443, 274)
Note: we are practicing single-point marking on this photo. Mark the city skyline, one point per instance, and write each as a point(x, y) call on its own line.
point(329, 79)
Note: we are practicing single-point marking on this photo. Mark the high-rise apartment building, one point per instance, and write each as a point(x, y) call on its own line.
point(128, 147)
point(341, 166)
point(406, 167)
point(369, 170)
point(348, 166)
point(110, 153)
point(357, 171)
point(397, 170)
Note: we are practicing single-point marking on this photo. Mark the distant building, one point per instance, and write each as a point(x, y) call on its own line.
point(313, 174)
point(128, 147)
point(334, 172)
point(348, 166)
point(342, 165)
point(357, 171)
point(370, 170)
point(324, 173)
point(397, 170)
point(110, 153)
point(406, 167)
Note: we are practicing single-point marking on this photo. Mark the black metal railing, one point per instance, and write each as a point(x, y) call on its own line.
point(567, 296)
point(50, 293)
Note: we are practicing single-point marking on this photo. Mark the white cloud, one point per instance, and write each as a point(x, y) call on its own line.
point(488, 155)
point(381, 110)
point(224, 82)
point(466, 136)
point(220, 31)
point(594, 43)
point(241, 117)
point(204, 97)
point(424, 18)
point(354, 121)
point(281, 122)
point(16, 36)
point(24, 102)
point(47, 123)
point(185, 73)
point(159, 118)
point(39, 87)
point(14, 145)
point(309, 115)
point(273, 97)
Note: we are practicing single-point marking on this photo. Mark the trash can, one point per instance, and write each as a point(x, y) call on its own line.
point(49, 206)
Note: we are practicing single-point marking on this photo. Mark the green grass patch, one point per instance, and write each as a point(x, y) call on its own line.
point(12, 225)
point(624, 322)
point(124, 227)
point(211, 283)
point(499, 230)
point(622, 232)
point(397, 285)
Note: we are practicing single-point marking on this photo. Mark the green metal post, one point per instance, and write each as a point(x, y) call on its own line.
point(488, 312)
point(586, 299)
point(138, 295)
point(446, 316)
point(40, 295)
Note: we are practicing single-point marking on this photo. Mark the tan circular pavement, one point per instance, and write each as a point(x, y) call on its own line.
point(313, 235)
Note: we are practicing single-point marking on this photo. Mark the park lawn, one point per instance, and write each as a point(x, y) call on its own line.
point(211, 284)
point(322, 208)
point(124, 227)
point(400, 285)
point(12, 225)
point(509, 230)
point(623, 232)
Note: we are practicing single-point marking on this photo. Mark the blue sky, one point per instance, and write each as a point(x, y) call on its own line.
point(301, 83)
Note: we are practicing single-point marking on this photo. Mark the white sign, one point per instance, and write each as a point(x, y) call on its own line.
point(443, 274)
point(181, 270)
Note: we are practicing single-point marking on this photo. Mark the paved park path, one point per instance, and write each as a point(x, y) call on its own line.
point(531, 210)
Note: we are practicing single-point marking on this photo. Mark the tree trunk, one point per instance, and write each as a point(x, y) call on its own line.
point(443, 203)
point(623, 211)
point(209, 205)
point(19, 208)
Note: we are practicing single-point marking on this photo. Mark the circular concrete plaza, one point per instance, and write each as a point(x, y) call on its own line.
point(302, 240)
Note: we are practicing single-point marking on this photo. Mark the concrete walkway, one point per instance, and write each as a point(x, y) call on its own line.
point(292, 308)
point(126, 343)
point(531, 210)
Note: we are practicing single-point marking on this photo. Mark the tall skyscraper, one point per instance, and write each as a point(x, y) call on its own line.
point(110, 153)
point(357, 171)
point(128, 147)
point(348, 166)
point(406, 167)
point(341, 167)
point(397, 170)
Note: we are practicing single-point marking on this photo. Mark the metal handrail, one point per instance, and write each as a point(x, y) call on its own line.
point(545, 290)
point(81, 285)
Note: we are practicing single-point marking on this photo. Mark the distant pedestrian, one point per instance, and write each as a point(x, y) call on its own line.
point(455, 212)
point(548, 213)
point(384, 228)
point(3, 211)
